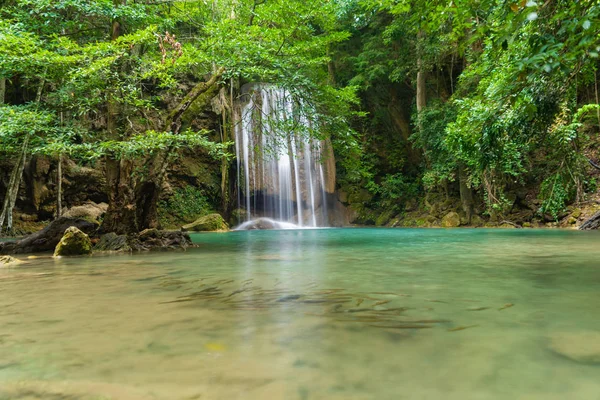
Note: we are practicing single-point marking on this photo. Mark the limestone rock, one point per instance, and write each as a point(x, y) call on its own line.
point(384, 218)
point(476, 220)
point(210, 222)
point(8, 261)
point(73, 243)
point(90, 211)
point(113, 242)
point(582, 347)
point(258, 224)
point(451, 220)
point(147, 240)
point(238, 216)
point(591, 223)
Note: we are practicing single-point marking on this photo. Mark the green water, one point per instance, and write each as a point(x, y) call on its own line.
point(312, 314)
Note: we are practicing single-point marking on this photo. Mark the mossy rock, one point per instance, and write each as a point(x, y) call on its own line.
point(384, 218)
point(238, 216)
point(210, 222)
point(451, 220)
point(113, 242)
point(8, 261)
point(73, 243)
point(576, 213)
point(476, 220)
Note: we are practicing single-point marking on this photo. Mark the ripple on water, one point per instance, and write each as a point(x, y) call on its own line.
point(330, 314)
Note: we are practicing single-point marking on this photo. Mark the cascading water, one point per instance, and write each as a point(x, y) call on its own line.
point(280, 172)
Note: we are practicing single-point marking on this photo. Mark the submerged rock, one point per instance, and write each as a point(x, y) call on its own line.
point(210, 222)
point(8, 261)
point(73, 243)
point(47, 239)
point(265, 223)
point(451, 220)
point(582, 347)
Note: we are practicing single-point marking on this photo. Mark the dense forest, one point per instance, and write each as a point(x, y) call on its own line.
point(438, 112)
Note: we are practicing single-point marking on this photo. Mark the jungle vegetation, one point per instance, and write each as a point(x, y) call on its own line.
point(474, 99)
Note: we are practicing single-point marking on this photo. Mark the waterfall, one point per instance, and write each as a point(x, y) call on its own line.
point(279, 165)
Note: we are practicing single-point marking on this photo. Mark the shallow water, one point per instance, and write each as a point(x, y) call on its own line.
point(311, 314)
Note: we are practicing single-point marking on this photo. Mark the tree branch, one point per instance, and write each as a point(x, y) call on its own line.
point(173, 123)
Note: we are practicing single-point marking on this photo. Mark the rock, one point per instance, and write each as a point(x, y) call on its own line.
point(153, 239)
point(210, 222)
point(576, 213)
point(342, 196)
point(8, 261)
point(113, 242)
point(527, 225)
point(47, 238)
point(476, 220)
point(582, 347)
point(592, 223)
point(89, 211)
point(264, 224)
point(361, 197)
point(238, 216)
point(73, 243)
point(384, 218)
point(28, 217)
point(147, 240)
point(451, 220)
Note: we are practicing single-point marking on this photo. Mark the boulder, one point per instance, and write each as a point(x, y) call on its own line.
point(582, 347)
point(476, 220)
point(89, 211)
point(113, 242)
point(8, 261)
point(258, 224)
point(73, 243)
point(384, 218)
point(591, 223)
point(47, 239)
point(265, 223)
point(147, 240)
point(210, 222)
point(451, 220)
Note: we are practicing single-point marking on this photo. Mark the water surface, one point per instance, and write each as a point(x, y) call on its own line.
point(310, 314)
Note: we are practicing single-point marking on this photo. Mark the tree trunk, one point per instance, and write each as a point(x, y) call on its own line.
point(466, 194)
point(421, 79)
point(13, 189)
point(59, 187)
point(133, 205)
point(421, 87)
point(2, 90)
point(150, 188)
point(121, 215)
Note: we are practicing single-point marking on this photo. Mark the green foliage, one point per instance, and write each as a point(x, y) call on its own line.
point(555, 192)
point(393, 192)
point(183, 206)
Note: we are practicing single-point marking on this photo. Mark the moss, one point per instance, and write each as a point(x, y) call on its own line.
point(384, 218)
point(74, 242)
point(451, 220)
point(210, 222)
